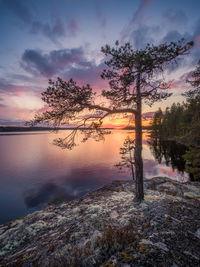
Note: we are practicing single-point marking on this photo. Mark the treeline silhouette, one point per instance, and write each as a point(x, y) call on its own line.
point(181, 122)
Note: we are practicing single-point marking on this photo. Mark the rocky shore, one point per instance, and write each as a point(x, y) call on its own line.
point(105, 228)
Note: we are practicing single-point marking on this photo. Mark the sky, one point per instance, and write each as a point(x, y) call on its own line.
point(50, 38)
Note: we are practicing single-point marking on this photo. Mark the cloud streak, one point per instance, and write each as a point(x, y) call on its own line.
point(137, 19)
point(138, 16)
point(7, 87)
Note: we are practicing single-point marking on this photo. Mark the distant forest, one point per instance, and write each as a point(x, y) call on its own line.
point(23, 129)
point(181, 122)
point(30, 129)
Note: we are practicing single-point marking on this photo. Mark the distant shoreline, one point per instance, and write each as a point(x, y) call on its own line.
point(33, 129)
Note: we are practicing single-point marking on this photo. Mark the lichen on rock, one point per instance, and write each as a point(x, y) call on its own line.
point(105, 228)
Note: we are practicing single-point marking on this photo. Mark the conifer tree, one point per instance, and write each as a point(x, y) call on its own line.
point(133, 77)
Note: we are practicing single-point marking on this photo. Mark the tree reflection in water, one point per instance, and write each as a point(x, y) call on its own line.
point(169, 152)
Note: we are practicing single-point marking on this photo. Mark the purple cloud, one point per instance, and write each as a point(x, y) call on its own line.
point(2, 105)
point(6, 86)
point(35, 62)
point(86, 72)
point(66, 63)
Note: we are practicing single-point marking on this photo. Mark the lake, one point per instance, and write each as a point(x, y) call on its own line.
point(33, 171)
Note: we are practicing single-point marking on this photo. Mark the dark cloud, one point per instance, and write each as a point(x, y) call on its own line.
point(47, 65)
point(66, 63)
point(34, 62)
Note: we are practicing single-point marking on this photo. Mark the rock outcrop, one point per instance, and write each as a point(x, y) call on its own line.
point(105, 228)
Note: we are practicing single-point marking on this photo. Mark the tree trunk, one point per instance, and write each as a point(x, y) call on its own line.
point(139, 194)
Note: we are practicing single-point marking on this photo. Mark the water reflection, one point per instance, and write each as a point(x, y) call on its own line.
point(169, 151)
point(75, 184)
point(33, 171)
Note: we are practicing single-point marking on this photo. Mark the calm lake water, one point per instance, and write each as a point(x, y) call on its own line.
point(33, 171)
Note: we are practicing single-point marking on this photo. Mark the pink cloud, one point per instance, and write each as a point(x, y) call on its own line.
point(6, 88)
point(181, 82)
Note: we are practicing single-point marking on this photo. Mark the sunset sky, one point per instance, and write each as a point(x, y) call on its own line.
point(50, 38)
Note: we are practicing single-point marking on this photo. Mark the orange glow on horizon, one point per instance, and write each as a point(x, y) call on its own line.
point(122, 123)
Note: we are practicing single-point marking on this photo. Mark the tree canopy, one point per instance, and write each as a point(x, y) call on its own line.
point(134, 77)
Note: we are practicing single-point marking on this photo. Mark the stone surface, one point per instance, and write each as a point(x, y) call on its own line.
point(105, 228)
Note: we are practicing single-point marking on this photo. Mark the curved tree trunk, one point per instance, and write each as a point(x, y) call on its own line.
point(138, 147)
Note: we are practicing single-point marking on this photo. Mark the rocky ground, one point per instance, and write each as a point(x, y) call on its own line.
point(105, 228)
